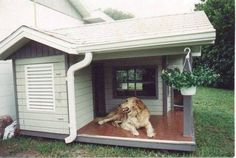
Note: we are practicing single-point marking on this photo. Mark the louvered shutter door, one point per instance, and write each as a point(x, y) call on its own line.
point(40, 87)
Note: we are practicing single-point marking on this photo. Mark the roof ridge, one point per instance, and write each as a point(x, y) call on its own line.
point(125, 20)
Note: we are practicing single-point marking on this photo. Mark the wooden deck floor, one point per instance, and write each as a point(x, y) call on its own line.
point(168, 127)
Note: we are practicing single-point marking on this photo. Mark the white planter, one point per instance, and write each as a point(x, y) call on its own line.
point(188, 91)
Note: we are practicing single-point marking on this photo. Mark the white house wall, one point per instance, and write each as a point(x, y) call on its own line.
point(154, 105)
point(43, 121)
point(7, 99)
point(14, 13)
point(84, 97)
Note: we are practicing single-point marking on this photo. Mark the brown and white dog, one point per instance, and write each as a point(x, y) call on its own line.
point(117, 116)
point(131, 115)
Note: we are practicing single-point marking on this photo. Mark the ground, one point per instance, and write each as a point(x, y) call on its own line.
point(214, 130)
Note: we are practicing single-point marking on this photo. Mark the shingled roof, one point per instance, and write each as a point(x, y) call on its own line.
point(163, 31)
point(134, 29)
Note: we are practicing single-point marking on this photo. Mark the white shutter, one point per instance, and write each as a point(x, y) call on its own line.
point(40, 87)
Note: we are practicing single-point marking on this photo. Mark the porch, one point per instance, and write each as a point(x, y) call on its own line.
point(168, 129)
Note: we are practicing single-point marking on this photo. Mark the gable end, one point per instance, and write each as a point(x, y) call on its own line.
point(35, 49)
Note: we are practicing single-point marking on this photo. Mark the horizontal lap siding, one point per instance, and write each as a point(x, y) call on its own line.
point(173, 62)
point(154, 105)
point(43, 121)
point(84, 97)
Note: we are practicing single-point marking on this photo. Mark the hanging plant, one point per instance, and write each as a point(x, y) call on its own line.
point(183, 80)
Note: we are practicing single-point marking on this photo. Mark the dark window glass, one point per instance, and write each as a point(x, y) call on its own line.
point(135, 81)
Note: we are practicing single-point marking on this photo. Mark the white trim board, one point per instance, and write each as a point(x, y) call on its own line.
point(24, 34)
point(138, 139)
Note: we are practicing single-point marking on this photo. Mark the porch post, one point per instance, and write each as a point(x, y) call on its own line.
point(187, 100)
point(164, 87)
point(187, 118)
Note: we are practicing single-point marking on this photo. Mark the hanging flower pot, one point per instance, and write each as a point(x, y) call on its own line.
point(188, 90)
point(187, 81)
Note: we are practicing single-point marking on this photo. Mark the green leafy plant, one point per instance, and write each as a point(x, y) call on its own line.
point(220, 56)
point(199, 76)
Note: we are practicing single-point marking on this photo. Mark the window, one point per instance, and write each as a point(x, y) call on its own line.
point(40, 87)
point(134, 81)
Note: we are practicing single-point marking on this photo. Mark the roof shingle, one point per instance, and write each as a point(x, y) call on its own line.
point(134, 29)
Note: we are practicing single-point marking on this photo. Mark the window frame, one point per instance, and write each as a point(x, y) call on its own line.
point(114, 70)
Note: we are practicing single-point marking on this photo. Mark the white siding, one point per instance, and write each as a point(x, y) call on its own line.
point(43, 121)
point(84, 97)
point(173, 62)
point(154, 105)
point(7, 96)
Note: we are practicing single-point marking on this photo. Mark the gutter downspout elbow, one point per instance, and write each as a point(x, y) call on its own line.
point(71, 94)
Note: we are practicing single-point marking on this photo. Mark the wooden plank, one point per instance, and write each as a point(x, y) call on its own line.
point(83, 91)
point(84, 95)
point(57, 88)
point(56, 74)
point(33, 49)
point(84, 120)
point(83, 99)
point(58, 102)
point(59, 73)
point(85, 110)
point(44, 123)
point(44, 129)
point(83, 85)
point(57, 81)
point(43, 134)
point(56, 66)
point(60, 88)
point(44, 117)
point(58, 110)
point(41, 60)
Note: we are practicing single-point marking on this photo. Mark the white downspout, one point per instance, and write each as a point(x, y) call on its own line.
point(71, 94)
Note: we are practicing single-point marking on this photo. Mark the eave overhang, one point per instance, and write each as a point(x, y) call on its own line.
point(22, 35)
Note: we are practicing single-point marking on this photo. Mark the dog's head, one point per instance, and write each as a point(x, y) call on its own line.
point(133, 106)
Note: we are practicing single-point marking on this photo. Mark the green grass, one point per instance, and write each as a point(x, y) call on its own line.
point(214, 132)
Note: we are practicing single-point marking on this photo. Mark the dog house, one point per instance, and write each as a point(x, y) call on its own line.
point(66, 78)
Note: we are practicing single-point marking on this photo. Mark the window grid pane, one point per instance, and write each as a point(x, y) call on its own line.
point(136, 82)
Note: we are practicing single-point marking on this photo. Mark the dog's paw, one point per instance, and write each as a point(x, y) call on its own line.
point(135, 133)
point(100, 122)
point(150, 135)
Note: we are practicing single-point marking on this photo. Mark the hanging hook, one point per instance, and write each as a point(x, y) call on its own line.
point(188, 51)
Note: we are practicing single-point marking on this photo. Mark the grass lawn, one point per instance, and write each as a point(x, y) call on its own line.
point(214, 130)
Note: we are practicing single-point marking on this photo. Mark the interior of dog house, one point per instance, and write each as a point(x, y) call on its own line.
point(63, 90)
